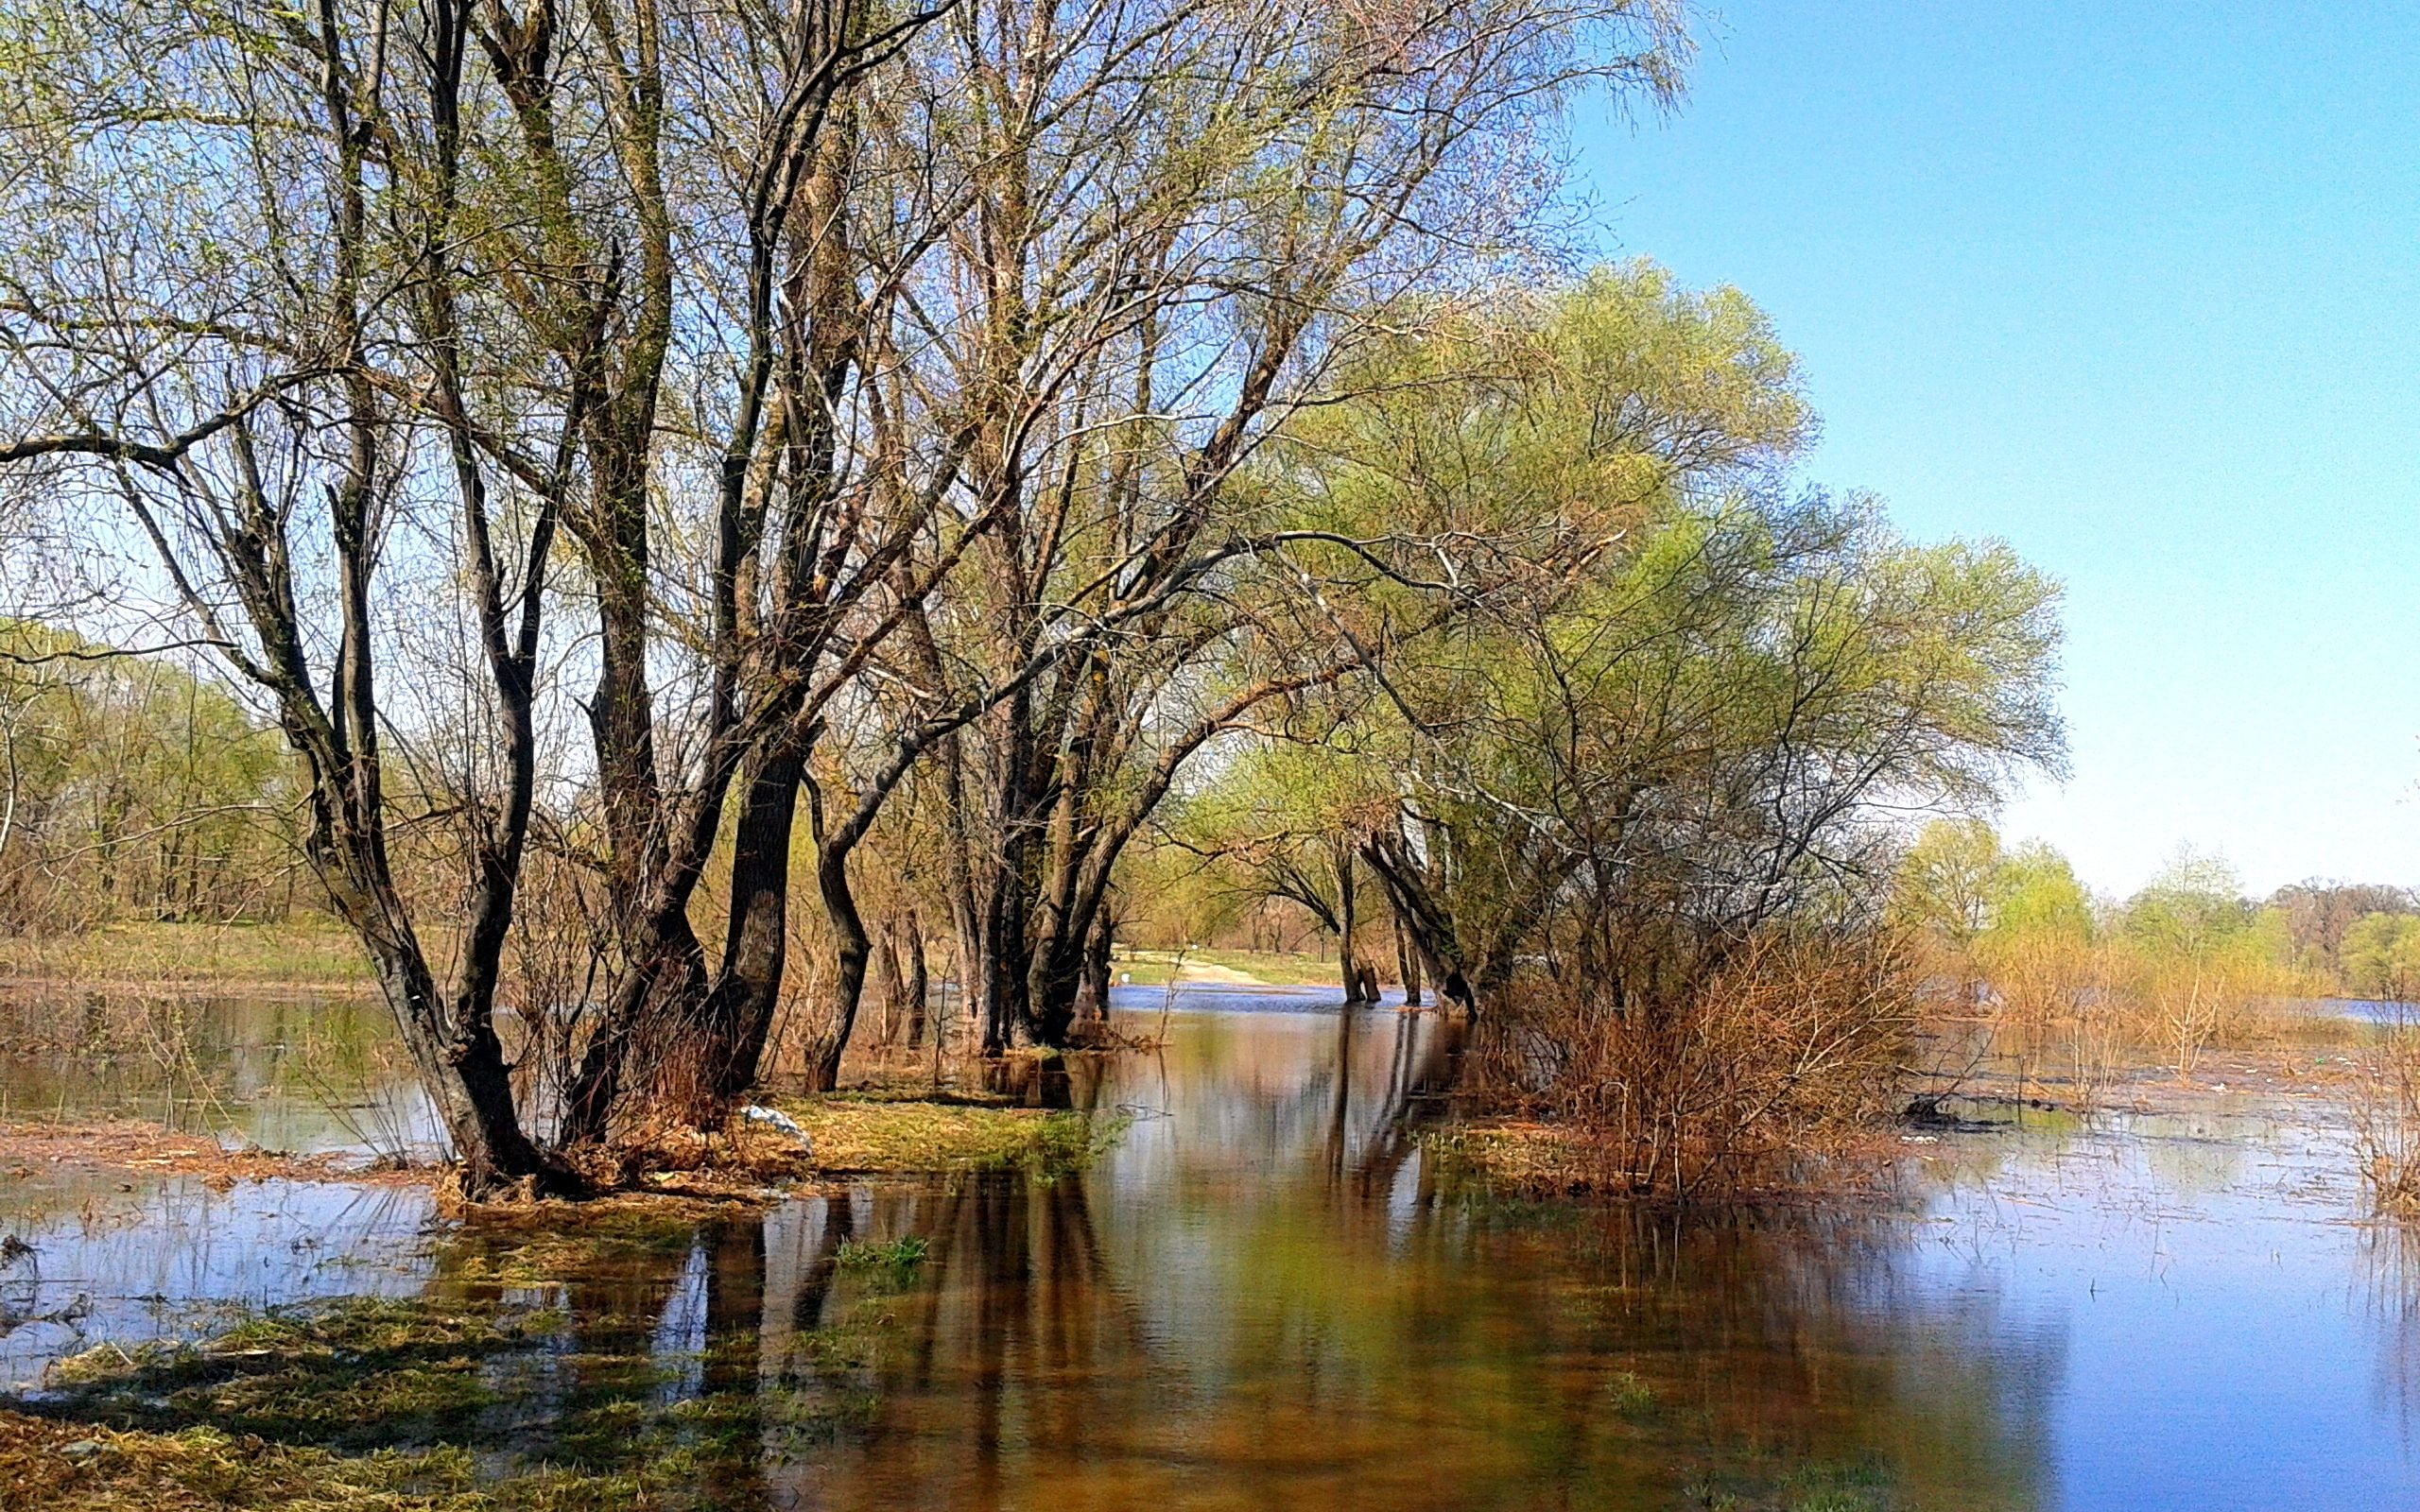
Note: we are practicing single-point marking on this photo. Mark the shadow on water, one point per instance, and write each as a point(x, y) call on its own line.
point(1260, 1295)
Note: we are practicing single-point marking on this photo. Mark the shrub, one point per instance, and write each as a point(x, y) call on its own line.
point(1794, 1043)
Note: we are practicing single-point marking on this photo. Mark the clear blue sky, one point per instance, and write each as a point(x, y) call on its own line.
point(2136, 288)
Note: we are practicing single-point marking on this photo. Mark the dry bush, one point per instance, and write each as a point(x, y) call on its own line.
point(2386, 1119)
point(2049, 1009)
point(2059, 1007)
point(2186, 1003)
point(1789, 1050)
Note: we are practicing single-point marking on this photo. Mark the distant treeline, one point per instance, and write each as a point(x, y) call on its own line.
point(2188, 960)
point(131, 788)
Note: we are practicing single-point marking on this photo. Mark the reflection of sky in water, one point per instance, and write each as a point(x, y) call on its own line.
point(2226, 1332)
point(168, 1259)
point(1265, 1294)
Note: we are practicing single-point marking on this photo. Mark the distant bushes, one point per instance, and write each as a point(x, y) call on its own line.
point(2065, 985)
point(131, 788)
point(2381, 957)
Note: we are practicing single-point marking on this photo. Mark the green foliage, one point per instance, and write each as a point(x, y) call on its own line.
point(2382, 956)
point(2037, 891)
point(1685, 719)
point(2193, 905)
point(1952, 882)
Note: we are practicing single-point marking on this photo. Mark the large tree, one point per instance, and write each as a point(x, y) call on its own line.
point(1629, 759)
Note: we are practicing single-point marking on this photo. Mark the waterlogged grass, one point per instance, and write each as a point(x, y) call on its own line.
point(458, 1400)
point(363, 1371)
point(898, 1256)
point(1819, 1487)
point(47, 1464)
point(1510, 1161)
point(544, 1246)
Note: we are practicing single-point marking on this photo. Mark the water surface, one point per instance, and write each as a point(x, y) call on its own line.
point(1271, 1292)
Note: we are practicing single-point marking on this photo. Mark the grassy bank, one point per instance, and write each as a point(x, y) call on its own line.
point(873, 1134)
point(312, 954)
point(419, 1406)
point(1142, 968)
point(369, 1405)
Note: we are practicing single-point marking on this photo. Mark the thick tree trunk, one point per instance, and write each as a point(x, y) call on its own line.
point(728, 1047)
point(1006, 962)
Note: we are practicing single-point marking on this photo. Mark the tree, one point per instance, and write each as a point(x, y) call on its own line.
point(1193, 217)
point(595, 430)
point(2320, 914)
point(2201, 954)
point(1693, 730)
point(1949, 888)
point(2382, 956)
point(467, 255)
point(1286, 821)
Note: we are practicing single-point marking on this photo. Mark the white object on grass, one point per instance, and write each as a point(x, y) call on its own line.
point(773, 1117)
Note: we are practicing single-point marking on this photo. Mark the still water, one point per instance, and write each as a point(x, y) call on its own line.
point(1272, 1292)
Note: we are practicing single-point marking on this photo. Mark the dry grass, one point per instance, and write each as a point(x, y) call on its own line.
point(872, 1134)
point(128, 1144)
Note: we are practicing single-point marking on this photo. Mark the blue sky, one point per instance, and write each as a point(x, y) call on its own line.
point(2135, 287)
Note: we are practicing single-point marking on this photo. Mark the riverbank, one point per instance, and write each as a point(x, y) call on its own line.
point(839, 1138)
point(317, 956)
point(304, 955)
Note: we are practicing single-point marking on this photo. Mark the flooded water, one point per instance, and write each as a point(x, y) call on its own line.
point(1268, 1292)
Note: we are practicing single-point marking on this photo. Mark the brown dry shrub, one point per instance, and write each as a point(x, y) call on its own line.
point(2386, 1119)
point(1791, 1049)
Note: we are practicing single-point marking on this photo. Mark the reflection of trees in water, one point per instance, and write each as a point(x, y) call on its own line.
point(292, 1072)
point(1255, 1300)
point(2391, 1265)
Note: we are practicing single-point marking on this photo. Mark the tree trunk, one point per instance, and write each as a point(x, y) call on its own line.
point(916, 985)
point(888, 983)
point(827, 1036)
point(1092, 992)
point(1348, 932)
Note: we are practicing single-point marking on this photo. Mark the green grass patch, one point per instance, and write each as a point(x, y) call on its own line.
point(898, 1255)
point(362, 1372)
point(854, 1133)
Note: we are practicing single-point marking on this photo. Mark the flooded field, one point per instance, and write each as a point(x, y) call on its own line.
point(1271, 1288)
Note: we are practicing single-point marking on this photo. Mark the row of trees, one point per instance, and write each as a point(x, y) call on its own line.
point(130, 787)
point(645, 423)
point(2186, 960)
point(671, 473)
